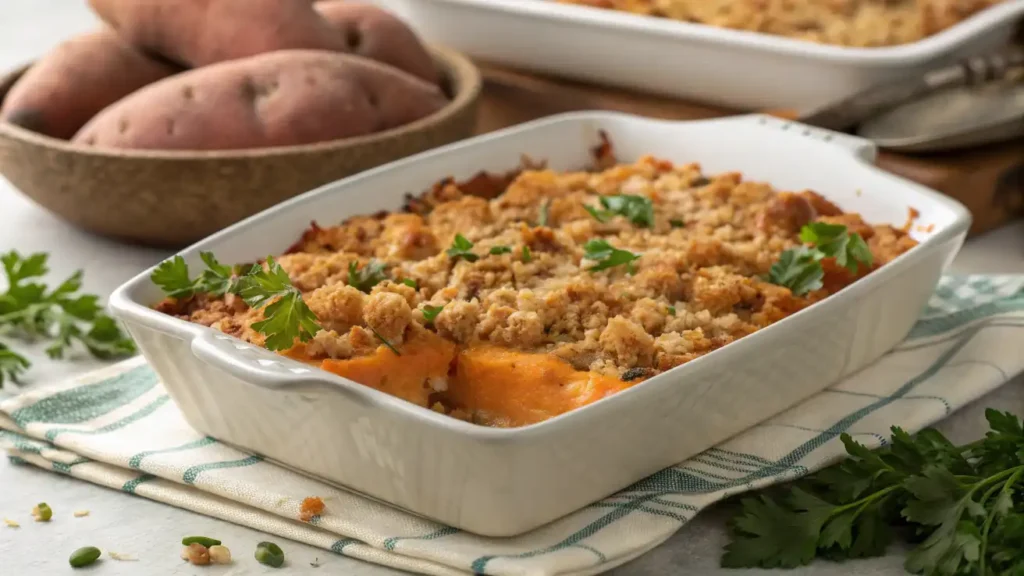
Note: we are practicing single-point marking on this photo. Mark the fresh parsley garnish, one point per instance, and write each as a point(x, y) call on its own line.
point(638, 209)
point(545, 213)
point(496, 250)
point(12, 365)
point(799, 269)
point(431, 312)
point(172, 276)
point(527, 256)
point(29, 312)
point(410, 283)
point(607, 256)
point(962, 507)
point(286, 316)
point(848, 248)
point(365, 278)
point(385, 342)
point(462, 248)
point(672, 310)
point(676, 223)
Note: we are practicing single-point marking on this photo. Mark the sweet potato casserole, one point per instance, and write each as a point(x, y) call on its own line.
point(854, 23)
point(505, 301)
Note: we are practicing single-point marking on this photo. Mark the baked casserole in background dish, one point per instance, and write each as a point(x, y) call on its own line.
point(508, 300)
point(851, 23)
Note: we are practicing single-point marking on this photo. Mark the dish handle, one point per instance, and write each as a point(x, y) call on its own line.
point(860, 148)
point(260, 367)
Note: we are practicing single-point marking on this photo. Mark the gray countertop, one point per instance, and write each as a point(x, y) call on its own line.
point(150, 531)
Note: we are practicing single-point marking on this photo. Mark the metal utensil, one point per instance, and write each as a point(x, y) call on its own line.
point(951, 119)
point(849, 112)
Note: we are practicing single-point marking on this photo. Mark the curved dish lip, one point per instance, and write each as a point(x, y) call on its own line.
point(901, 55)
point(125, 306)
point(463, 71)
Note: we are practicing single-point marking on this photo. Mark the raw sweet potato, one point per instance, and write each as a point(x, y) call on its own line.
point(202, 32)
point(278, 99)
point(76, 80)
point(376, 34)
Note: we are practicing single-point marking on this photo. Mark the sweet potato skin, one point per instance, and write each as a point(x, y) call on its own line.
point(77, 79)
point(278, 99)
point(202, 32)
point(376, 34)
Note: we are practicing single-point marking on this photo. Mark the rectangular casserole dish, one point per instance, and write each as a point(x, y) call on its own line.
point(501, 482)
point(736, 69)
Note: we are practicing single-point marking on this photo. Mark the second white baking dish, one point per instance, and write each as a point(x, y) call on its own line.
point(732, 68)
point(500, 482)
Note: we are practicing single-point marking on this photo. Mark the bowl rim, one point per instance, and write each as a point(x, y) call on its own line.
point(465, 78)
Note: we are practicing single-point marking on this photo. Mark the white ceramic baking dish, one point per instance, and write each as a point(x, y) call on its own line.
point(501, 482)
point(737, 69)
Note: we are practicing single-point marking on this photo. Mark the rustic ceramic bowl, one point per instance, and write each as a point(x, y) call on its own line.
point(174, 198)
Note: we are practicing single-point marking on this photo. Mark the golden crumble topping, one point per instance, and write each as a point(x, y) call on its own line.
point(853, 23)
point(508, 300)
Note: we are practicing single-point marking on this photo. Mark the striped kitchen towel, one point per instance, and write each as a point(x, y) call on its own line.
point(117, 428)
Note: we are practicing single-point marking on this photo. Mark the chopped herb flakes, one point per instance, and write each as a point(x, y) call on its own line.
point(462, 248)
point(365, 278)
point(637, 209)
point(431, 312)
point(608, 256)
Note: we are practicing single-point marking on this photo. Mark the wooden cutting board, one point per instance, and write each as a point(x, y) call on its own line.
point(989, 180)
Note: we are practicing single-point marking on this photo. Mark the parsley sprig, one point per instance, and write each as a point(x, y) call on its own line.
point(365, 278)
point(848, 248)
point(462, 248)
point(286, 316)
point(30, 312)
point(608, 256)
point(637, 209)
point(431, 312)
point(962, 506)
point(172, 277)
point(800, 270)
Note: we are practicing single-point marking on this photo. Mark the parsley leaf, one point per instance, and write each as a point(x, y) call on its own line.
point(672, 310)
point(676, 223)
point(833, 240)
point(496, 250)
point(527, 256)
point(798, 269)
point(545, 213)
point(431, 312)
point(410, 283)
point(462, 248)
point(28, 312)
point(12, 365)
point(607, 256)
point(172, 277)
point(286, 316)
point(637, 209)
point(365, 278)
point(963, 506)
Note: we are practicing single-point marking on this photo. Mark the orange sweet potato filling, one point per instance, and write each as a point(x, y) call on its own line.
point(517, 388)
point(407, 376)
point(502, 386)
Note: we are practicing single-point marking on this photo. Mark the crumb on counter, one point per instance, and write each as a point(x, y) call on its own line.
point(310, 508)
